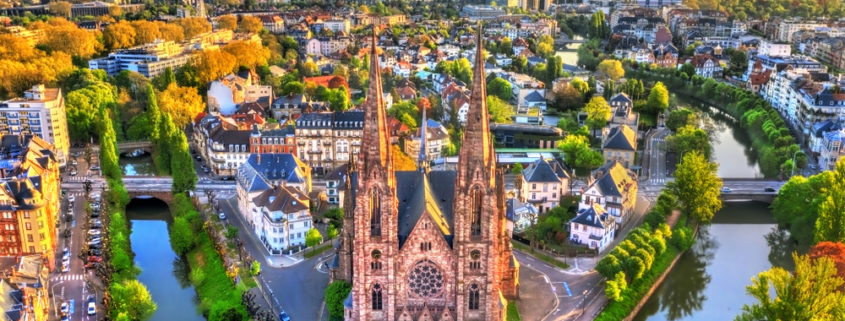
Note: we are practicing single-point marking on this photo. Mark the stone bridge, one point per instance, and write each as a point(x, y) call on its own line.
point(130, 146)
point(165, 196)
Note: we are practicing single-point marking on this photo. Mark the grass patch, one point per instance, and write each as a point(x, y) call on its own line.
point(247, 280)
point(539, 255)
point(513, 313)
point(648, 120)
point(314, 252)
point(216, 291)
point(619, 310)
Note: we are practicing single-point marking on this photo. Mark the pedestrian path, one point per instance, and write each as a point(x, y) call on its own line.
point(68, 277)
point(657, 181)
point(78, 178)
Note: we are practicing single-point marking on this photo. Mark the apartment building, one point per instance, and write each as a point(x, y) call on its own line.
point(327, 140)
point(335, 184)
point(227, 94)
point(833, 149)
point(29, 202)
point(619, 144)
point(786, 28)
point(40, 112)
point(281, 218)
point(544, 182)
point(614, 188)
point(222, 145)
point(436, 138)
point(338, 25)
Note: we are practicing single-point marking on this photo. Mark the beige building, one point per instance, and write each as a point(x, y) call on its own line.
point(41, 112)
point(327, 140)
point(619, 144)
point(614, 188)
point(543, 183)
point(29, 203)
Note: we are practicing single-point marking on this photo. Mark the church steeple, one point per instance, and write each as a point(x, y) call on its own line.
point(375, 140)
point(423, 162)
point(477, 145)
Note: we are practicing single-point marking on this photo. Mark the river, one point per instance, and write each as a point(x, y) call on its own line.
point(708, 282)
point(162, 271)
point(728, 139)
point(141, 165)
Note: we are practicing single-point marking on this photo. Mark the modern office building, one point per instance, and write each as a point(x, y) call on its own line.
point(40, 112)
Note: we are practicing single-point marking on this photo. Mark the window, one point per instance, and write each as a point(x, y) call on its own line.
point(425, 246)
point(31, 249)
point(29, 237)
point(475, 264)
point(377, 297)
point(28, 226)
point(375, 213)
point(376, 264)
point(533, 196)
point(474, 296)
point(533, 186)
point(41, 235)
point(40, 224)
point(26, 214)
point(476, 212)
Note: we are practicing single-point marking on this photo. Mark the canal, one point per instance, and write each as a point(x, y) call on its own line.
point(708, 282)
point(141, 165)
point(163, 272)
point(728, 139)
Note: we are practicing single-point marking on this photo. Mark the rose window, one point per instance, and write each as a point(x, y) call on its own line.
point(425, 279)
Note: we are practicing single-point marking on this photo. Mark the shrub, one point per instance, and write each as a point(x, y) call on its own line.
point(232, 232)
point(255, 268)
point(182, 238)
point(654, 218)
point(335, 294)
point(683, 238)
point(197, 276)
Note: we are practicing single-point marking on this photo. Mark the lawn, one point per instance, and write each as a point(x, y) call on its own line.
point(539, 255)
point(314, 252)
point(513, 313)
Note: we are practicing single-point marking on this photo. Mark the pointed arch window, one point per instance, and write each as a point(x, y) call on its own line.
point(375, 212)
point(377, 298)
point(475, 218)
point(474, 296)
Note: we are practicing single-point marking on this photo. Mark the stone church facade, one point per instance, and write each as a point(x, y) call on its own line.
point(425, 245)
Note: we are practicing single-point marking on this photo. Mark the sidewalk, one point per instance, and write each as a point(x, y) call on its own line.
point(253, 243)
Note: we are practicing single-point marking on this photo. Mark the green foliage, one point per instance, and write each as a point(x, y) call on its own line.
point(830, 226)
point(598, 27)
point(313, 237)
point(810, 293)
point(232, 232)
point(132, 301)
point(82, 107)
point(331, 232)
point(612, 291)
point(500, 88)
point(688, 139)
point(182, 238)
point(336, 215)
point(513, 312)
point(335, 294)
point(681, 117)
point(683, 238)
point(500, 111)
point(517, 169)
point(255, 268)
point(460, 69)
point(658, 99)
point(598, 113)
point(697, 187)
point(577, 152)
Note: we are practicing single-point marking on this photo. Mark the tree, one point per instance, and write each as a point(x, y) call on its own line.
point(697, 188)
point(182, 238)
point(228, 22)
point(688, 69)
point(293, 87)
point(193, 26)
point(500, 88)
point(566, 97)
point(658, 99)
point(133, 301)
point(500, 111)
point(60, 8)
point(681, 117)
point(313, 238)
point(251, 24)
point(506, 46)
point(170, 31)
point(577, 152)
point(336, 293)
point(209, 65)
point(119, 35)
point(145, 31)
point(331, 232)
point(690, 138)
point(830, 225)
point(255, 268)
point(249, 55)
point(598, 113)
point(401, 161)
point(835, 252)
point(611, 69)
point(181, 103)
point(807, 294)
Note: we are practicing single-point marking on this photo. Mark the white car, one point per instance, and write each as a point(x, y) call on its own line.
point(66, 253)
point(94, 232)
point(71, 199)
point(726, 190)
point(222, 216)
point(94, 241)
point(65, 308)
point(92, 305)
point(66, 268)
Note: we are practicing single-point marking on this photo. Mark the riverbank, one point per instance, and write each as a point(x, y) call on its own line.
point(771, 139)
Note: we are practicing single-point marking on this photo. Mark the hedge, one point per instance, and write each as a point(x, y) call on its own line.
point(618, 310)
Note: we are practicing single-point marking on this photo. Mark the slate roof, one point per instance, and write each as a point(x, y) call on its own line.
point(254, 176)
point(622, 137)
point(622, 98)
point(534, 97)
point(822, 127)
point(594, 216)
point(282, 198)
point(544, 171)
point(513, 205)
point(614, 178)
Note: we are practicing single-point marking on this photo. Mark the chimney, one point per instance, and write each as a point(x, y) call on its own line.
point(259, 158)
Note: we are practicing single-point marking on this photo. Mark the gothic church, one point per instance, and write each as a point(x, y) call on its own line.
point(426, 245)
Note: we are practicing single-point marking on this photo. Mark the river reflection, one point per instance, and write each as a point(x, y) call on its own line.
point(168, 283)
point(708, 282)
point(141, 165)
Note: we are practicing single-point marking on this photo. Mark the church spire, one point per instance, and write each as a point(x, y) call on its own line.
point(423, 151)
point(477, 145)
point(375, 141)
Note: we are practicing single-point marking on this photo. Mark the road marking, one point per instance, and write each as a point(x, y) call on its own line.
point(547, 278)
point(567, 288)
point(529, 258)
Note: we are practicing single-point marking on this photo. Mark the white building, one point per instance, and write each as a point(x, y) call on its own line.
point(436, 139)
point(614, 188)
point(593, 226)
point(788, 27)
point(335, 182)
point(772, 49)
point(338, 25)
point(519, 215)
point(544, 182)
point(40, 112)
point(149, 60)
point(281, 218)
point(227, 93)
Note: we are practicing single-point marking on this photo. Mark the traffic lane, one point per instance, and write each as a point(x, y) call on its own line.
point(299, 289)
point(576, 284)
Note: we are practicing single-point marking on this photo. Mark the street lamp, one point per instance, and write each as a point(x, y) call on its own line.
point(793, 162)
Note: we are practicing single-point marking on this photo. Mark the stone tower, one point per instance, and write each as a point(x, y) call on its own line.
point(375, 214)
point(479, 236)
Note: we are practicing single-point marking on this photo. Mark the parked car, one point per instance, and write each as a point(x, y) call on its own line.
point(66, 318)
point(95, 168)
point(95, 214)
point(65, 308)
point(66, 252)
point(770, 190)
point(65, 268)
point(94, 232)
point(95, 252)
point(92, 265)
point(71, 199)
point(67, 233)
point(726, 190)
point(95, 259)
point(73, 173)
point(94, 241)
point(95, 246)
point(92, 305)
point(222, 216)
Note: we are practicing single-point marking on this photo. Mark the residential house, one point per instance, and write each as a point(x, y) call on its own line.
point(335, 181)
point(273, 23)
point(705, 66)
point(402, 68)
point(281, 218)
point(833, 149)
point(544, 182)
point(436, 139)
point(593, 226)
point(221, 144)
point(520, 215)
point(619, 144)
point(614, 188)
point(622, 111)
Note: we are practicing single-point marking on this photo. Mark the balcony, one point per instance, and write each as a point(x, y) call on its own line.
point(327, 143)
point(301, 143)
point(595, 237)
point(315, 152)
